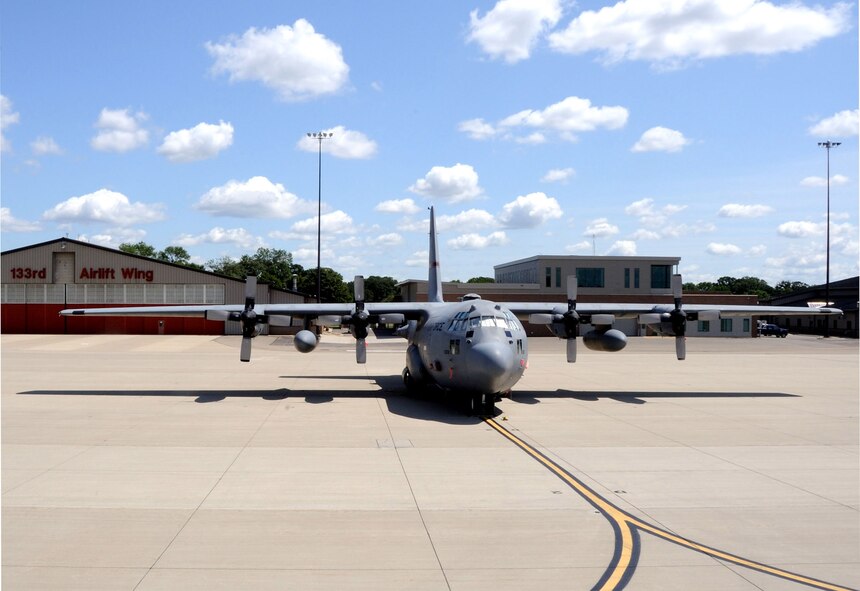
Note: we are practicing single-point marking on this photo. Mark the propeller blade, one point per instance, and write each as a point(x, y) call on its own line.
point(571, 350)
point(250, 290)
point(245, 352)
point(572, 287)
point(677, 286)
point(360, 351)
point(681, 347)
point(358, 287)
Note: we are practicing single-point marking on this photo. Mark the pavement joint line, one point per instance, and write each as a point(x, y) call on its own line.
point(205, 497)
point(412, 492)
point(626, 527)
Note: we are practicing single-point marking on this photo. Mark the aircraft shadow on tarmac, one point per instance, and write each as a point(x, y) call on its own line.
point(427, 406)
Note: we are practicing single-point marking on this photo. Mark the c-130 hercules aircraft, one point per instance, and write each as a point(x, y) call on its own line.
point(475, 348)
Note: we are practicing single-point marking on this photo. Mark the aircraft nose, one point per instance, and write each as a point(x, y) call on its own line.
point(490, 365)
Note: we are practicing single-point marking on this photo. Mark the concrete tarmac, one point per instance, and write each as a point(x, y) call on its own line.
point(150, 463)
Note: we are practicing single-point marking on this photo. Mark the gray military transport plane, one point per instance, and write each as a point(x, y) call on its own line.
point(474, 347)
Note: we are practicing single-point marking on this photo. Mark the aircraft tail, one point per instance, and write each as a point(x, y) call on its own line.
point(434, 280)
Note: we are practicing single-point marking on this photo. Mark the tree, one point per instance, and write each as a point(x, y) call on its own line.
point(377, 289)
point(270, 265)
point(141, 249)
point(786, 287)
point(332, 286)
point(481, 280)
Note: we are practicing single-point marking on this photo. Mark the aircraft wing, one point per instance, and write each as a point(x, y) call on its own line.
point(524, 309)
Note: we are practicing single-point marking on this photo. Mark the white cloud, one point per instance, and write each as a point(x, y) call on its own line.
point(390, 239)
point(530, 211)
point(343, 143)
point(836, 180)
point(678, 230)
point(471, 219)
point(9, 223)
point(297, 62)
point(649, 215)
point(336, 222)
point(45, 146)
point(757, 250)
point(625, 248)
point(800, 229)
point(418, 259)
point(477, 129)
point(511, 28)
point(558, 175)
point(258, 197)
point(204, 140)
point(7, 117)
point(842, 124)
point(105, 206)
point(585, 246)
point(477, 242)
point(737, 210)
point(452, 184)
point(238, 236)
point(572, 114)
point(401, 206)
point(113, 237)
point(600, 227)
point(671, 34)
point(119, 131)
point(642, 234)
point(723, 249)
point(660, 139)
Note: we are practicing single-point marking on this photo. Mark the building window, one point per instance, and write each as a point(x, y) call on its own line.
point(635, 278)
point(661, 276)
point(726, 325)
point(746, 325)
point(590, 277)
point(558, 276)
point(549, 277)
point(704, 326)
point(626, 278)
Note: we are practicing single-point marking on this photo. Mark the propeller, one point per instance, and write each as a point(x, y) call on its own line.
point(359, 321)
point(248, 318)
point(570, 319)
point(679, 320)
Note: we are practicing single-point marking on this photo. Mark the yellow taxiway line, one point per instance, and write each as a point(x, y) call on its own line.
point(627, 528)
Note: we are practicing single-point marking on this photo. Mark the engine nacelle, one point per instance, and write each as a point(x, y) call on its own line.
point(305, 341)
point(610, 340)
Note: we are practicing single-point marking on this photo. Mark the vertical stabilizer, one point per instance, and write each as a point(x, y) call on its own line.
point(434, 280)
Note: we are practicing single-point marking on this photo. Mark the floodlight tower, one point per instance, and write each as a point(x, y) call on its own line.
point(827, 145)
point(320, 136)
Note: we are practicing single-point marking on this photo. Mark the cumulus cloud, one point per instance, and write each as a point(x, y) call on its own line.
point(806, 229)
point(842, 124)
point(720, 249)
point(649, 214)
point(334, 223)
point(202, 141)
point(343, 143)
point(672, 34)
point(660, 139)
point(119, 131)
point(9, 223)
point(558, 175)
point(238, 236)
point(401, 206)
point(390, 239)
point(600, 227)
point(585, 246)
point(471, 219)
point(477, 242)
point(737, 210)
point(511, 28)
point(258, 197)
point(477, 129)
point(113, 237)
point(836, 180)
point(296, 62)
point(452, 184)
point(45, 146)
point(572, 114)
point(625, 248)
point(530, 211)
point(105, 206)
point(7, 117)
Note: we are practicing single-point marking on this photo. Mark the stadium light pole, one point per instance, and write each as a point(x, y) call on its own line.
point(827, 145)
point(319, 136)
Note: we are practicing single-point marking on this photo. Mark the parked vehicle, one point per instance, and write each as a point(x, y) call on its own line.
point(772, 330)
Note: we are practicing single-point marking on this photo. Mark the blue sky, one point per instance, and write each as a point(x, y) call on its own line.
point(535, 127)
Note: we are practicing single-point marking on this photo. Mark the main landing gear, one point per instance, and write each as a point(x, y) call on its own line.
point(482, 405)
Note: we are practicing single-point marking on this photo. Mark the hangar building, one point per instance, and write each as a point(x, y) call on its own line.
point(40, 280)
